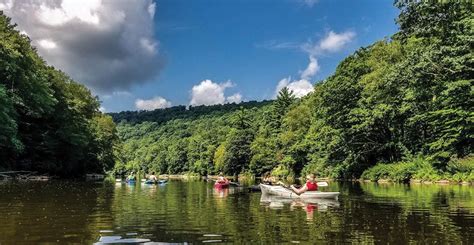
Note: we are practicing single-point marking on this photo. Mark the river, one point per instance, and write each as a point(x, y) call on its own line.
point(195, 212)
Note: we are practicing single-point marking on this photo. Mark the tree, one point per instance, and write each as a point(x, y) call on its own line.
point(281, 105)
point(50, 123)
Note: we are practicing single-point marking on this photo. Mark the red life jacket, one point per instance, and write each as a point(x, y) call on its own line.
point(311, 186)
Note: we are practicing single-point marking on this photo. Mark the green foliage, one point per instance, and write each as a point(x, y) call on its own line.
point(281, 171)
point(465, 165)
point(9, 142)
point(421, 169)
point(48, 122)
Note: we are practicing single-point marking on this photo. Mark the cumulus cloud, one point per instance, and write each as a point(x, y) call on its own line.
point(300, 87)
point(235, 98)
point(107, 45)
point(152, 104)
point(332, 42)
point(210, 93)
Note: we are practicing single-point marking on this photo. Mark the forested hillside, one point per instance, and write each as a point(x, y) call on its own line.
point(48, 122)
point(181, 112)
point(406, 101)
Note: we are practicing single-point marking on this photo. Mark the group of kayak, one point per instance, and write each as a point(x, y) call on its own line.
point(271, 187)
point(151, 179)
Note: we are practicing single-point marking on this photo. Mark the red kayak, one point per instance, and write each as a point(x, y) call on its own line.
point(221, 185)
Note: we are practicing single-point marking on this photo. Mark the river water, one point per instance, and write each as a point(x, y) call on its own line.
point(194, 212)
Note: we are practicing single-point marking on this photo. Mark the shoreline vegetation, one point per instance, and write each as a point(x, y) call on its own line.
point(400, 109)
point(191, 176)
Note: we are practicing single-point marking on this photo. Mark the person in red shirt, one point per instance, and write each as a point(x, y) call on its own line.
point(221, 179)
point(310, 185)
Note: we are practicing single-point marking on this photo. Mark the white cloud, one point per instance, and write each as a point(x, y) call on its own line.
point(151, 10)
point(209, 93)
point(300, 87)
point(107, 45)
point(67, 10)
point(332, 42)
point(148, 45)
point(152, 104)
point(102, 109)
point(6, 4)
point(235, 98)
point(47, 44)
point(312, 69)
point(281, 84)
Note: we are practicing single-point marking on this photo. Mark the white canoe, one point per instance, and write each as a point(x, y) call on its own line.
point(277, 201)
point(284, 192)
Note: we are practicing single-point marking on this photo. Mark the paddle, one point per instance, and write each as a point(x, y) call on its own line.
point(323, 184)
point(234, 184)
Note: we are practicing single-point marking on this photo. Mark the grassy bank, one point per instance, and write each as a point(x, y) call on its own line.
point(422, 170)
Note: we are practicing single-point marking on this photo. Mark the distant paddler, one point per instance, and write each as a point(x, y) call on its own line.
point(152, 178)
point(268, 179)
point(221, 182)
point(131, 177)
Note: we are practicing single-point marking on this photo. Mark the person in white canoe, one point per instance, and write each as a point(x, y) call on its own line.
point(310, 185)
point(152, 177)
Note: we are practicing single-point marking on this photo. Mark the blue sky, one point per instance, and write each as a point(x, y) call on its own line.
point(242, 49)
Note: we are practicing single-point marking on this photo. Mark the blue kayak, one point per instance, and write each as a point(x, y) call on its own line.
point(159, 182)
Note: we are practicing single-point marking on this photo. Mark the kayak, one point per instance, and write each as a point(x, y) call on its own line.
point(131, 181)
point(274, 201)
point(221, 184)
point(287, 193)
point(159, 182)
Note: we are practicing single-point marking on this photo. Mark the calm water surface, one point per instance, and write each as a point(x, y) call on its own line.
point(194, 212)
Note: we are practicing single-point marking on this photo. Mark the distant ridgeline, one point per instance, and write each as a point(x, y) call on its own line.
point(181, 112)
point(48, 122)
point(399, 109)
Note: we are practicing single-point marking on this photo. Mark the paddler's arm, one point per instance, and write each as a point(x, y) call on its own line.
point(300, 190)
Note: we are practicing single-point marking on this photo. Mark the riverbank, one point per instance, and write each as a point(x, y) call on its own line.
point(421, 170)
point(417, 182)
point(327, 179)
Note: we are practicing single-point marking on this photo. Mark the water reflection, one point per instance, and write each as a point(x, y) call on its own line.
point(308, 205)
point(221, 192)
point(195, 212)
